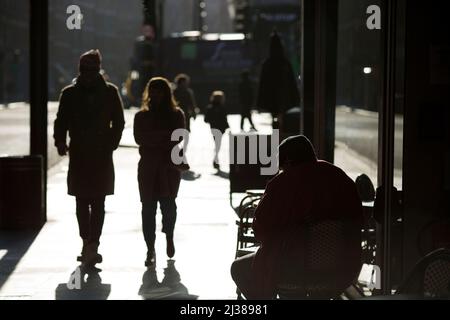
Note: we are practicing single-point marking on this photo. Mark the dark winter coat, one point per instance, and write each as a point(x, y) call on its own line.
point(278, 90)
point(309, 191)
point(94, 120)
point(216, 116)
point(157, 176)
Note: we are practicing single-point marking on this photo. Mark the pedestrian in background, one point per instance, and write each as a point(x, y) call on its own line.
point(278, 89)
point(216, 116)
point(185, 98)
point(246, 97)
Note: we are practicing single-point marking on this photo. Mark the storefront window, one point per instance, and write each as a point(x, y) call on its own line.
point(359, 90)
point(14, 78)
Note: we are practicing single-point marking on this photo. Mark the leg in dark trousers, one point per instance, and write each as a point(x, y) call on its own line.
point(217, 146)
point(97, 219)
point(169, 217)
point(241, 272)
point(251, 121)
point(90, 216)
point(148, 222)
point(246, 115)
point(83, 217)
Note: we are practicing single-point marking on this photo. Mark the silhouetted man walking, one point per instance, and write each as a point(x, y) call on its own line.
point(91, 111)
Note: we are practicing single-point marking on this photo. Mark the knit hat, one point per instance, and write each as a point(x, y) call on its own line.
point(90, 60)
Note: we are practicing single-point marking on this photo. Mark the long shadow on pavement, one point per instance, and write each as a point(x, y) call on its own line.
point(170, 288)
point(83, 285)
point(16, 244)
point(190, 175)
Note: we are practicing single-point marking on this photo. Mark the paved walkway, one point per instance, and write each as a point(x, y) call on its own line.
point(40, 266)
point(15, 131)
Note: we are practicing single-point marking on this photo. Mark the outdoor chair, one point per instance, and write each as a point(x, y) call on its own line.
point(246, 242)
point(325, 264)
point(430, 277)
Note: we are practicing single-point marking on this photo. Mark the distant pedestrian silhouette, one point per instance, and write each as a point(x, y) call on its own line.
point(90, 110)
point(159, 179)
point(185, 97)
point(246, 96)
point(278, 90)
point(216, 116)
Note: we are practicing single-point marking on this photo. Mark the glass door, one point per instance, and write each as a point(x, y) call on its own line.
point(359, 80)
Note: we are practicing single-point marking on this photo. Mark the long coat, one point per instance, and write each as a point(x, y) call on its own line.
point(157, 176)
point(309, 191)
point(216, 116)
point(94, 120)
point(278, 90)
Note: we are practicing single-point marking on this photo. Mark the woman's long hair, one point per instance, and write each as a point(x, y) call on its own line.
point(168, 102)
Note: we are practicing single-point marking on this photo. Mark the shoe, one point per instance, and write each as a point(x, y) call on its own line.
point(170, 247)
point(151, 259)
point(82, 256)
point(216, 165)
point(183, 167)
point(91, 256)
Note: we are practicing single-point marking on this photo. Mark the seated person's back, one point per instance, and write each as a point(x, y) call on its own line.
point(313, 190)
point(306, 191)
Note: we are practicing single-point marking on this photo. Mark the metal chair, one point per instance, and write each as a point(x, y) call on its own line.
point(430, 278)
point(320, 260)
point(246, 242)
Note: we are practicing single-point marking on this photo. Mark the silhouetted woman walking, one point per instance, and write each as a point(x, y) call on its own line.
point(158, 177)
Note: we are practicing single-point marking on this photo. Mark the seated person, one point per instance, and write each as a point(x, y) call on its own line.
point(306, 189)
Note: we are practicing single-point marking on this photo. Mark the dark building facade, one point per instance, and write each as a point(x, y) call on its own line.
point(14, 50)
point(109, 25)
